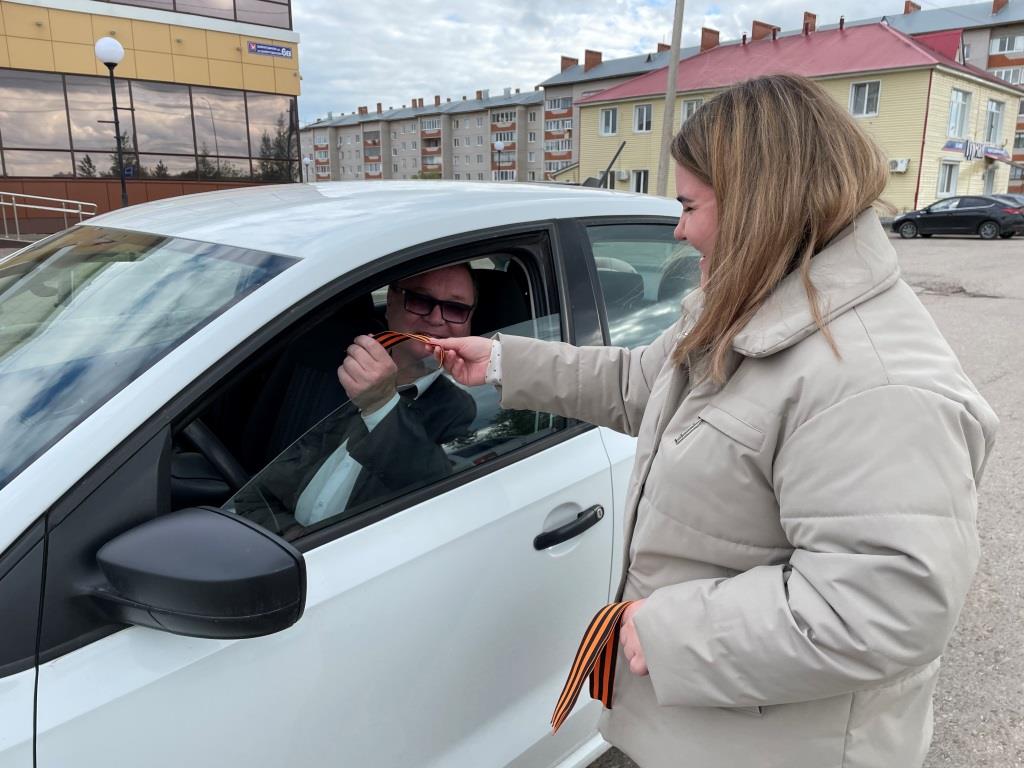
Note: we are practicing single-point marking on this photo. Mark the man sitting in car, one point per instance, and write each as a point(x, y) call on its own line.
point(408, 409)
point(401, 410)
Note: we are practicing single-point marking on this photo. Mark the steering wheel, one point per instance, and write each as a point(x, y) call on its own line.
point(215, 452)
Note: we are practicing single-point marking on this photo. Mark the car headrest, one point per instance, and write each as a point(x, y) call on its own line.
point(501, 299)
point(680, 276)
point(622, 290)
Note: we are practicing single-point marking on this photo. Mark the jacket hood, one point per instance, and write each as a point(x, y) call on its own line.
point(857, 265)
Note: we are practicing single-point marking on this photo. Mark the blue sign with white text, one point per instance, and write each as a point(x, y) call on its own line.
point(262, 49)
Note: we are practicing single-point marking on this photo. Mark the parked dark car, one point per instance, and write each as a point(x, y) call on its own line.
point(987, 216)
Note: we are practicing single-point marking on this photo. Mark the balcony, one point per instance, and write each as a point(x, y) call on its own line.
point(503, 126)
point(510, 146)
point(504, 165)
point(431, 151)
point(555, 135)
point(551, 114)
point(373, 176)
point(431, 134)
point(371, 142)
point(563, 155)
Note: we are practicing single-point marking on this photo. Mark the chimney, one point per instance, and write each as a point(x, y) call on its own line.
point(448, 99)
point(744, 41)
point(437, 100)
point(759, 30)
point(591, 59)
point(330, 115)
point(479, 95)
point(364, 111)
point(517, 90)
point(708, 39)
point(380, 108)
point(508, 91)
point(662, 47)
point(998, 5)
point(568, 63)
point(842, 23)
point(909, 7)
point(810, 22)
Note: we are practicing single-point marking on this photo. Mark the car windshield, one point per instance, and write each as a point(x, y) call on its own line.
point(86, 312)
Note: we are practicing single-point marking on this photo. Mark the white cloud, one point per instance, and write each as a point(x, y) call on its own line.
point(358, 53)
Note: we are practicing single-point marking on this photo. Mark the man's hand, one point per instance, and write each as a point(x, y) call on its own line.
point(368, 374)
point(465, 358)
point(630, 640)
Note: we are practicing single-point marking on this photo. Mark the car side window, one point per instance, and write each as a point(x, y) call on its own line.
point(643, 272)
point(944, 205)
point(974, 202)
point(354, 460)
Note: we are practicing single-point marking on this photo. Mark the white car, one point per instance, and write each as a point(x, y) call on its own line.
point(160, 605)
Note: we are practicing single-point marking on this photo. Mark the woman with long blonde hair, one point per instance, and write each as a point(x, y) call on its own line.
point(800, 523)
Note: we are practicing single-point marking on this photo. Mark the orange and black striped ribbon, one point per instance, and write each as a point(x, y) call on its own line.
point(595, 657)
point(388, 339)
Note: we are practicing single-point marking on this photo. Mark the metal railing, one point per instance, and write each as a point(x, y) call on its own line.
point(13, 202)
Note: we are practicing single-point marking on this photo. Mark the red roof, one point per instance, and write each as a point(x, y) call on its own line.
point(946, 42)
point(867, 48)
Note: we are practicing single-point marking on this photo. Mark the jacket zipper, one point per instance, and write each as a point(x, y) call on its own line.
point(687, 431)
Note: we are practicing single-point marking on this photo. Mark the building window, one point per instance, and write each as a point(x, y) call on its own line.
point(1018, 140)
point(455, 142)
point(479, 177)
point(394, 167)
point(480, 122)
point(430, 124)
point(479, 141)
point(323, 154)
point(373, 167)
point(1012, 75)
point(320, 137)
point(506, 136)
point(864, 99)
point(503, 175)
point(642, 118)
point(639, 181)
point(959, 108)
point(458, 177)
point(1007, 44)
point(503, 117)
point(609, 121)
point(456, 124)
point(993, 122)
point(479, 158)
point(558, 125)
point(531, 175)
point(948, 173)
point(563, 103)
point(690, 106)
point(551, 166)
point(394, 134)
point(1016, 173)
point(532, 135)
point(532, 117)
point(394, 151)
point(558, 145)
point(455, 160)
point(531, 157)
point(414, 144)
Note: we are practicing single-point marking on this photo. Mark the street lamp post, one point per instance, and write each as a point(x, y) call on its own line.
point(306, 162)
point(110, 52)
point(499, 147)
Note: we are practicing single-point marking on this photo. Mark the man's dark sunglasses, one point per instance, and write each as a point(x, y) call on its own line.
point(422, 305)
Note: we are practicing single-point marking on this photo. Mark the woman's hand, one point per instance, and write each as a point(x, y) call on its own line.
point(630, 640)
point(465, 358)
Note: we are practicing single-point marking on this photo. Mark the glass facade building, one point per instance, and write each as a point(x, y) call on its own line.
point(58, 125)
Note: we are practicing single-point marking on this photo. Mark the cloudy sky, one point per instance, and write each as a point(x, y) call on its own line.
point(357, 53)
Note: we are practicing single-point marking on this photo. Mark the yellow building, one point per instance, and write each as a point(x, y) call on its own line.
point(946, 128)
point(206, 95)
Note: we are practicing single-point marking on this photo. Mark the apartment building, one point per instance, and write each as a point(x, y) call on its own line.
point(489, 138)
point(206, 96)
point(943, 124)
point(991, 38)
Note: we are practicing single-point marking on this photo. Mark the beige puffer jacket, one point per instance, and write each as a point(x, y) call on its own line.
point(805, 534)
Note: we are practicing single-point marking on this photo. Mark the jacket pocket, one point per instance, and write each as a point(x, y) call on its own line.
point(732, 426)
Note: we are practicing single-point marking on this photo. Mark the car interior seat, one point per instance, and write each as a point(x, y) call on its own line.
point(502, 299)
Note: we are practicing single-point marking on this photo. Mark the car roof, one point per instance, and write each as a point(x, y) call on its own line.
point(364, 219)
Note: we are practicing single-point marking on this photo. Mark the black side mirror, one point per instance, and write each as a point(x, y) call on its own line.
point(202, 572)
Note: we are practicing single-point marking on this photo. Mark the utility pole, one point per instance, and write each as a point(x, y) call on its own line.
point(668, 113)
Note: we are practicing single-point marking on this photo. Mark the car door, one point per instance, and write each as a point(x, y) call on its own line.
point(940, 218)
point(972, 211)
point(642, 274)
point(437, 631)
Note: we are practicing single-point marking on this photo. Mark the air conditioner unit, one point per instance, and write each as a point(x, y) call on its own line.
point(622, 175)
point(899, 166)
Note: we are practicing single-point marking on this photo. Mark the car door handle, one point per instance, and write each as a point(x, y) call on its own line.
point(584, 520)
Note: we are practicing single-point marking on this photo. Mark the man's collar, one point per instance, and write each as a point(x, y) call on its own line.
point(858, 264)
point(422, 383)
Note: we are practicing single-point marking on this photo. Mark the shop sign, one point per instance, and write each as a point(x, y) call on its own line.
point(973, 150)
point(262, 49)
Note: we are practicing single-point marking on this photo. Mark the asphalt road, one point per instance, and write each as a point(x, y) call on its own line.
point(975, 292)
